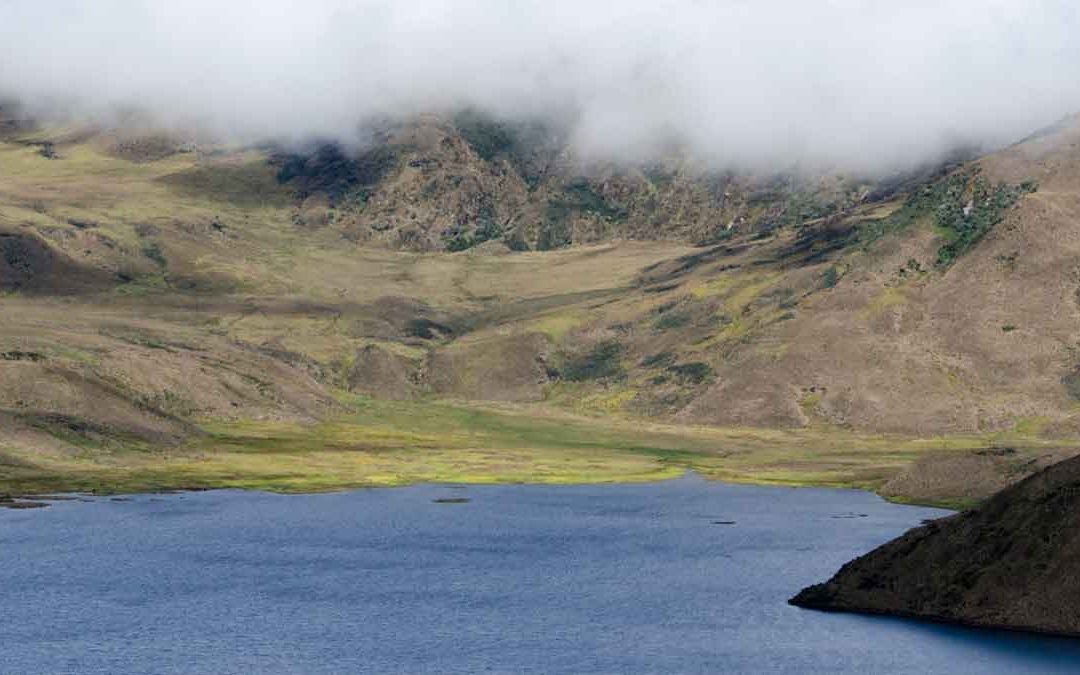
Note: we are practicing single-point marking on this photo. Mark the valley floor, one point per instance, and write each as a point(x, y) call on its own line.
point(384, 443)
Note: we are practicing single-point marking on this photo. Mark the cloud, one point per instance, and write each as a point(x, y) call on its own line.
point(858, 83)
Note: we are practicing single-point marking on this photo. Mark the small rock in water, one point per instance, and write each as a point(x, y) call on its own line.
point(452, 500)
point(723, 522)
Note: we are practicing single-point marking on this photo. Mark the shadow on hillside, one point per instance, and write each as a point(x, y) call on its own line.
point(249, 185)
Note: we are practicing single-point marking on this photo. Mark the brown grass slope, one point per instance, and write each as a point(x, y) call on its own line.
point(145, 292)
point(150, 286)
point(1011, 563)
point(900, 345)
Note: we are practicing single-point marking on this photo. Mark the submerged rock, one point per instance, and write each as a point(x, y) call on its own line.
point(1012, 563)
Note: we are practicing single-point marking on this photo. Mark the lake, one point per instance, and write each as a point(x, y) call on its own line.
point(680, 576)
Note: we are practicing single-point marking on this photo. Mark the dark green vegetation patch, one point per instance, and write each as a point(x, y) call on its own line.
point(660, 360)
point(487, 229)
point(967, 223)
point(692, 373)
point(1072, 384)
point(599, 362)
point(831, 277)
point(670, 317)
point(554, 232)
point(330, 170)
point(580, 196)
point(487, 137)
point(964, 206)
point(154, 252)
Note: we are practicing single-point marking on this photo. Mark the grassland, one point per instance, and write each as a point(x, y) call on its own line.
point(221, 334)
point(386, 444)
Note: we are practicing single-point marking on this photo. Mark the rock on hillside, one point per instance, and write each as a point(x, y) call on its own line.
point(1012, 563)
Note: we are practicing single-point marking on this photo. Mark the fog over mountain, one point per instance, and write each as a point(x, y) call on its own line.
point(862, 84)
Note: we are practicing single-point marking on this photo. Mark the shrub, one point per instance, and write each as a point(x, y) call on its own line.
point(671, 321)
point(680, 313)
point(719, 235)
point(154, 252)
point(554, 233)
point(660, 360)
point(486, 230)
point(601, 361)
point(578, 197)
point(458, 242)
point(487, 137)
point(515, 241)
point(1072, 384)
point(581, 196)
point(831, 277)
point(694, 373)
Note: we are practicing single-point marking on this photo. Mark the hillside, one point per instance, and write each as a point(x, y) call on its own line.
point(1011, 563)
point(161, 286)
point(434, 184)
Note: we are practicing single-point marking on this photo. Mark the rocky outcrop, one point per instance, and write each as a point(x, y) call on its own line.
point(1013, 563)
point(439, 184)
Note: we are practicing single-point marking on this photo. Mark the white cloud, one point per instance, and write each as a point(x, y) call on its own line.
point(861, 83)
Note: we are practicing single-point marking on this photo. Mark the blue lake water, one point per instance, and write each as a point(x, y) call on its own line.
point(523, 579)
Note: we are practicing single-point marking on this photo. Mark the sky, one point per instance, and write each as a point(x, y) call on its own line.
point(861, 84)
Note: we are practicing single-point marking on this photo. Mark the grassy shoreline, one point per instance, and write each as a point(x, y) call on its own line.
point(391, 444)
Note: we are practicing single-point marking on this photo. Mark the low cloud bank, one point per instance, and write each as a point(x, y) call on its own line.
point(860, 84)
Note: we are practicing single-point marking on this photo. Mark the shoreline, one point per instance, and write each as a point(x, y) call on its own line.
point(394, 444)
point(31, 501)
point(941, 621)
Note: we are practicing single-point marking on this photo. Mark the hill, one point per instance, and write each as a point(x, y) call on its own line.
point(1011, 563)
point(161, 287)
